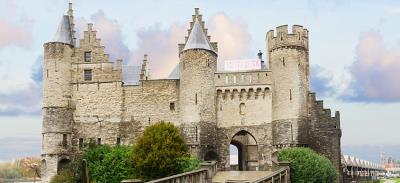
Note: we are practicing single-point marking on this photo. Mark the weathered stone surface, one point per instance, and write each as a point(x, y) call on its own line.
point(259, 111)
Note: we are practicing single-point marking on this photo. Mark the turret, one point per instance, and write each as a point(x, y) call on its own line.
point(198, 63)
point(288, 60)
point(144, 70)
point(57, 107)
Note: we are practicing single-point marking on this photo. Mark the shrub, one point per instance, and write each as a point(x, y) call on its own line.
point(308, 166)
point(156, 151)
point(187, 164)
point(109, 164)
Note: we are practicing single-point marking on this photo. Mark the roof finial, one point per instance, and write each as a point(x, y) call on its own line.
point(196, 11)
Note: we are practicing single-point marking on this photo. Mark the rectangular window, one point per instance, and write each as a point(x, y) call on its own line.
point(172, 106)
point(195, 98)
point(64, 141)
point(87, 74)
point(88, 56)
point(98, 141)
point(80, 143)
point(118, 141)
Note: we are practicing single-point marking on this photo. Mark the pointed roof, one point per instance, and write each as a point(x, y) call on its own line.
point(63, 34)
point(197, 38)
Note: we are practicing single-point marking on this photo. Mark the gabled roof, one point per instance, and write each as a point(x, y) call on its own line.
point(197, 38)
point(63, 34)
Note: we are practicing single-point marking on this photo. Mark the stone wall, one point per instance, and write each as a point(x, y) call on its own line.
point(97, 102)
point(244, 105)
point(152, 101)
point(325, 132)
point(242, 78)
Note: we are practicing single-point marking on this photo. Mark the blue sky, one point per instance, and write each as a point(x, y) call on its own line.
point(354, 54)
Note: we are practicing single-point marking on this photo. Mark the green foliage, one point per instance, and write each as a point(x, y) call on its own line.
point(70, 173)
point(10, 173)
point(188, 164)
point(109, 164)
point(156, 152)
point(308, 166)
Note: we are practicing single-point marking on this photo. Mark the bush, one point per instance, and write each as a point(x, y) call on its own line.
point(308, 166)
point(157, 150)
point(109, 164)
point(187, 164)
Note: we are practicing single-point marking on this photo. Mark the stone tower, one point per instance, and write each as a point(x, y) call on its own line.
point(57, 111)
point(288, 59)
point(198, 63)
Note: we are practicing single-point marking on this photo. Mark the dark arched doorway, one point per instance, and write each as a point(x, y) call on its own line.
point(211, 156)
point(247, 151)
point(62, 164)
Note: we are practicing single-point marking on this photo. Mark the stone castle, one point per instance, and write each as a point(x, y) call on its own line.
point(259, 111)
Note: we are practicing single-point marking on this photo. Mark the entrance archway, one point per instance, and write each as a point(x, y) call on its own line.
point(247, 151)
point(62, 164)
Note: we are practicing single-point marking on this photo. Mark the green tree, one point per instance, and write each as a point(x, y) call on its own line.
point(308, 166)
point(157, 150)
point(109, 164)
point(187, 164)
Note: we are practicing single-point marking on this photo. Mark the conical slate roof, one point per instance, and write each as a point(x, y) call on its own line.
point(63, 34)
point(197, 39)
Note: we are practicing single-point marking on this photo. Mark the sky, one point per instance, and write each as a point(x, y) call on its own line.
point(354, 55)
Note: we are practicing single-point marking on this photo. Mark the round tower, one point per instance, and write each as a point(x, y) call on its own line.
point(198, 63)
point(288, 60)
point(57, 111)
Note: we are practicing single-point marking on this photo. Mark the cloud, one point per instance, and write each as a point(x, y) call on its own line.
point(231, 34)
point(11, 33)
point(27, 100)
point(162, 48)
point(375, 71)
point(321, 81)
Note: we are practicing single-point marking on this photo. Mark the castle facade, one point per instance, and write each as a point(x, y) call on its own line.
point(259, 111)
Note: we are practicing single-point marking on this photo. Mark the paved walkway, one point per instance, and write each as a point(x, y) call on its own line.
point(239, 176)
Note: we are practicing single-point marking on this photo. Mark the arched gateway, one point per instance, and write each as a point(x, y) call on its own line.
point(247, 147)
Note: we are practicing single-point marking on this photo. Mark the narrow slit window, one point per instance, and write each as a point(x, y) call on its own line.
point(118, 141)
point(87, 73)
point(290, 94)
point(64, 141)
point(283, 61)
point(195, 98)
point(88, 56)
point(80, 143)
point(172, 106)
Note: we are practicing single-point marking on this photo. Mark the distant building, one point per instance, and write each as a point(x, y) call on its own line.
point(259, 111)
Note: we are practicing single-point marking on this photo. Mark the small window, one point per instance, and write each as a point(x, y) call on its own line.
point(290, 94)
point(98, 141)
point(118, 141)
point(80, 143)
point(88, 56)
point(219, 76)
point(87, 74)
point(283, 61)
point(64, 141)
point(195, 98)
point(242, 108)
point(172, 106)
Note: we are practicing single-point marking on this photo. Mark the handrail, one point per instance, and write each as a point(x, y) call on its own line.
point(283, 171)
point(194, 172)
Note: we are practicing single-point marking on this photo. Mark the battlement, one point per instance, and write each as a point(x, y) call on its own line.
point(298, 37)
point(244, 93)
point(319, 107)
point(244, 78)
